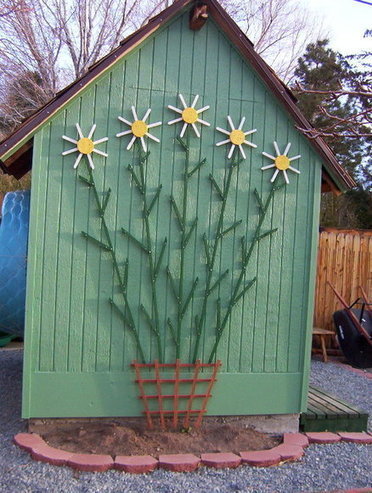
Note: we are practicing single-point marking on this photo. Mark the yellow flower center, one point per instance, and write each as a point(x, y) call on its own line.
point(282, 162)
point(237, 137)
point(139, 128)
point(85, 145)
point(189, 115)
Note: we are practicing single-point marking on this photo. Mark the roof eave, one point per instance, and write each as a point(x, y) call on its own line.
point(341, 178)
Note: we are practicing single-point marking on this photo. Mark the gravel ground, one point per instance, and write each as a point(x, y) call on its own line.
point(324, 468)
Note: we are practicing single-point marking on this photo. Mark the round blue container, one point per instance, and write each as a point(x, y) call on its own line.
point(13, 261)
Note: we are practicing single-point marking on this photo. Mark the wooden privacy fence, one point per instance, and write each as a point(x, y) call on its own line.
point(345, 260)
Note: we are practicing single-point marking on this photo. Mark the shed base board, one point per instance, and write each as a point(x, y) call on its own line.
point(63, 395)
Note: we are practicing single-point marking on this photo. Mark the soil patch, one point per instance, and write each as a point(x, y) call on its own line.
point(129, 436)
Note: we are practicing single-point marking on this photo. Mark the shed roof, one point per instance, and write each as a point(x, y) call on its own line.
point(16, 149)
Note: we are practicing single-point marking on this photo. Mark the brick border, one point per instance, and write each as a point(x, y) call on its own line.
point(291, 449)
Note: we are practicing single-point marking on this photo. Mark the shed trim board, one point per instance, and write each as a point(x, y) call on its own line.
point(335, 176)
point(69, 347)
point(97, 394)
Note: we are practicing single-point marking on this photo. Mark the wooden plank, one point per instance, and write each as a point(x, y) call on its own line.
point(313, 392)
point(344, 260)
point(328, 413)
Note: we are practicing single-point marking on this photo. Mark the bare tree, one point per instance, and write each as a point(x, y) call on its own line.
point(55, 41)
point(279, 29)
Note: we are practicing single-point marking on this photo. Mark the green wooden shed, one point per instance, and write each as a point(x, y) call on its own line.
point(174, 216)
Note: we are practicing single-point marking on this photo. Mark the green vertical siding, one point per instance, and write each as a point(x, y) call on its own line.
point(74, 339)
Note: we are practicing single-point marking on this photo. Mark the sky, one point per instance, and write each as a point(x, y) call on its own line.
point(345, 22)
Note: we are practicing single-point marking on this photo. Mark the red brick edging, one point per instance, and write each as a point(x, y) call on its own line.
point(291, 449)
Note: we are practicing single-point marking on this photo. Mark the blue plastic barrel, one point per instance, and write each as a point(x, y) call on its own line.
point(13, 261)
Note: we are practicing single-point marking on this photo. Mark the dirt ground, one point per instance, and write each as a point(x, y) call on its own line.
point(129, 436)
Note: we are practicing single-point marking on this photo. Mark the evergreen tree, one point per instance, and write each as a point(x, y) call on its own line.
point(321, 75)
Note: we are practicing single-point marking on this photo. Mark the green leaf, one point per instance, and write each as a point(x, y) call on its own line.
point(160, 258)
point(86, 181)
point(188, 236)
point(219, 280)
point(96, 242)
point(197, 167)
point(156, 196)
point(189, 297)
point(267, 234)
point(135, 179)
point(217, 188)
point(106, 200)
point(244, 290)
point(235, 225)
point(177, 212)
point(135, 241)
point(173, 284)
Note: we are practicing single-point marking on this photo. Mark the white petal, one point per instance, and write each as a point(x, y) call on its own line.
point(203, 109)
point(269, 155)
point(79, 131)
point(101, 153)
point(152, 125)
point(242, 151)
point(274, 175)
point(195, 101)
point(223, 131)
point(175, 121)
point(195, 130)
point(134, 113)
point(230, 122)
point(250, 131)
point(285, 176)
point(276, 149)
point(287, 149)
point(241, 123)
point(223, 142)
point(77, 161)
point(146, 115)
point(69, 139)
point(203, 122)
point(99, 141)
point(183, 130)
point(143, 144)
point(152, 137)
point(90, 161)
point(295, 157)
point(231, 151)
point(177, 110)
point(124, 120)
point(70, 151)
point(295, 170)
point(94, 126)
point(182, 100)
point(127, 132)
point(250, 144)
point(268, 167)
point(131, 142)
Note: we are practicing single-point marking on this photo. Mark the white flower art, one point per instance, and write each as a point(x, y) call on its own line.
point(237, 137)
point(139, 129)
point(189, 115)
point(85, 146)
point(281, 162)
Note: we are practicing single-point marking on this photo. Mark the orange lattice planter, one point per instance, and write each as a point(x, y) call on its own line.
point(175, 393)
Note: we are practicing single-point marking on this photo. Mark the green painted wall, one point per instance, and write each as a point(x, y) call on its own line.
point(77, 352)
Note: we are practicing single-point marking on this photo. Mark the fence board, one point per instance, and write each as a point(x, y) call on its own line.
point(345, 260)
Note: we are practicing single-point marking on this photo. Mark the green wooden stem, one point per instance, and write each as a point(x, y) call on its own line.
point(180, 313)
point(153, 267)
point(212, 257)
point(237, 294)
point(109, 247)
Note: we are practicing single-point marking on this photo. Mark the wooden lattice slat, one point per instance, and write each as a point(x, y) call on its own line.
point(169, 402)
